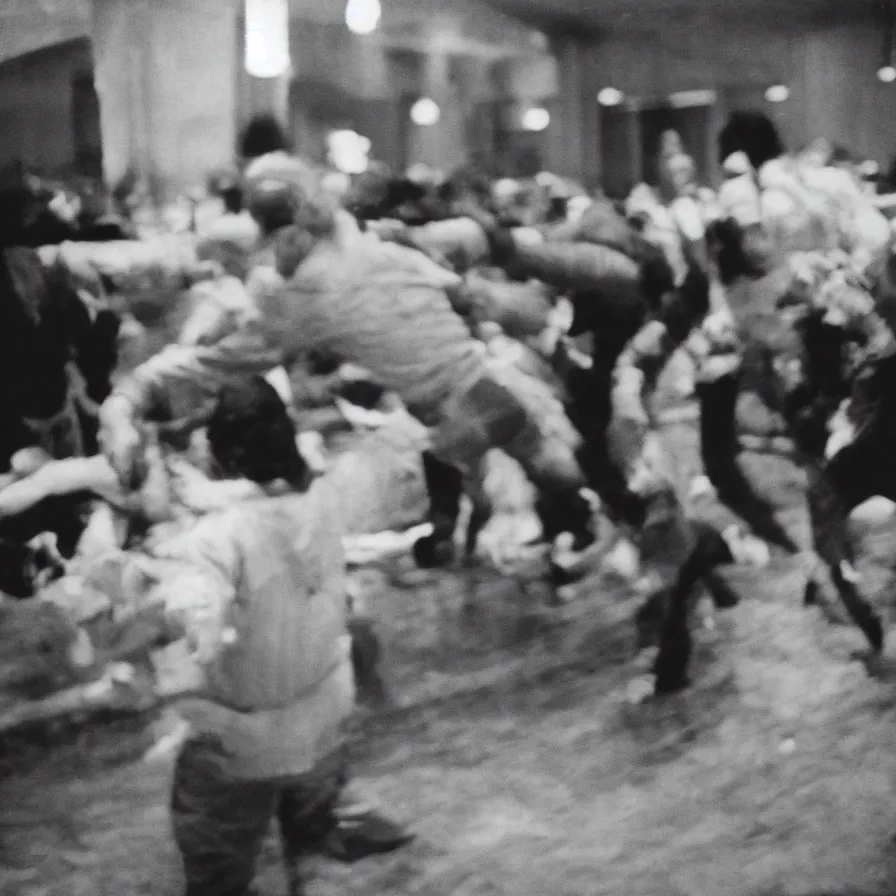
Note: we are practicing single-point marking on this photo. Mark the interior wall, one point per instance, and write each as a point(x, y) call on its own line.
point(830, 72)
point(343, 80)
point(36, 107)
point(166, 75)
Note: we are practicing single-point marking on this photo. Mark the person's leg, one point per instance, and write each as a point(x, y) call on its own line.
point(366, 653)
point(318, 814)
point(306, 813)
point(591, 410)
point(488, 415)
point(445, 486)
point(835, 489)
point(219, 823)
point(720, 448)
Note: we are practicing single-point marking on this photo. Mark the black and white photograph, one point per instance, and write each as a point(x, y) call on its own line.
point(445, 448)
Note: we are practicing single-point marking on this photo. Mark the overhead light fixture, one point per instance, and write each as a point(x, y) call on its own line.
point(778, 93)
point(425, 112)
point(536, 119)
point(610, 96)
point(887, 74)
point(362, 16)
point(689, 99)
point(267, 38)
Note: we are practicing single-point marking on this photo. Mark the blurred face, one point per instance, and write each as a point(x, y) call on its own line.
point(681, 172)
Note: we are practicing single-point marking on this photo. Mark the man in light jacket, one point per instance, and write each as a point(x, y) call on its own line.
point(262, 607)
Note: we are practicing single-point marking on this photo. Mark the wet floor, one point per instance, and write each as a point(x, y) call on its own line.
point(514, 753)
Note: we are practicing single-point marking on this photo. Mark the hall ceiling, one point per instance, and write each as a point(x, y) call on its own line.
point(650, 15)
point(473, 26)
point(477, 26)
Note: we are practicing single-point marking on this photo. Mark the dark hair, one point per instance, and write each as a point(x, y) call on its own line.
point(752, 133)
point(840, 155)
point(656, 275)
point(233, 199)
point(263, 134)
point(273, 205)
point(251, 434)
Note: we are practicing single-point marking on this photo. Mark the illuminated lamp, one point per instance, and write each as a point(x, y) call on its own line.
point(778, 93)
point(362, 16)
point(425, 112)
point(267, 38)
point(610, 96)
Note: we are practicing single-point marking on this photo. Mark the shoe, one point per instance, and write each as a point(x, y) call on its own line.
point(431, 552)
point(570, 512)
point(360, 836)
point(566, 567)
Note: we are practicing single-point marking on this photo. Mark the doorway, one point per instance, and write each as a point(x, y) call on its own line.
point(86, 126)
point(630, 136)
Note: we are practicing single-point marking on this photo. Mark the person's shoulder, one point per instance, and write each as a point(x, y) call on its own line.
point(326, 501)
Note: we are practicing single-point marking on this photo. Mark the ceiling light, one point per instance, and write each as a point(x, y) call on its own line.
point(425, 112)
point(778, 93)
point(267, 38)
point(536, 119)
point(887, 74)
point(362, 16)
point(610, 96)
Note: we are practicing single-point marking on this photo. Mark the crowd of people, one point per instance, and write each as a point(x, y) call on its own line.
point(781, 281)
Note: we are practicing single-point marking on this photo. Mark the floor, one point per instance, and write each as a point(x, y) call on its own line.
point(515, 752)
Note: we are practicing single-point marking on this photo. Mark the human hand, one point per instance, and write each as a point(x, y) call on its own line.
point(120, 441)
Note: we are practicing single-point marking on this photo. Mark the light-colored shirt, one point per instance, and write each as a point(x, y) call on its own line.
point(378, 305)
point(262, 602)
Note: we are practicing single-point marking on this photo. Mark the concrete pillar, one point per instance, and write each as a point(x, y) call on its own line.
point(264, 96)
point(166, 76)
point(575, 137)
point(442, 145)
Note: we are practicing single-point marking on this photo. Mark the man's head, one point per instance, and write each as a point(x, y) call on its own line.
point(678, 173)
point(262, 135)
point(251, 435)
point(286, 195)
point(752, 133)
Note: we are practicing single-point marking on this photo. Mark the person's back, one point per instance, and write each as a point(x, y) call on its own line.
point(287, 552)
point(280, 684)
point(382, 306)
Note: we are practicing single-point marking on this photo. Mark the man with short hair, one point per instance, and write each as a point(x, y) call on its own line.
point(263, 606)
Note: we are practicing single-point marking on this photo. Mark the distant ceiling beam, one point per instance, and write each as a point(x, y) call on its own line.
point(544, 18)
point(591, 18)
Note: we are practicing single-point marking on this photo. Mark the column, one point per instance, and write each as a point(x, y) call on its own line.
point(166, 76)
point(441, 146)
point(575, 140)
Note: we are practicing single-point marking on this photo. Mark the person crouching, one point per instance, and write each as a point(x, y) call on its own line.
point(266, 619)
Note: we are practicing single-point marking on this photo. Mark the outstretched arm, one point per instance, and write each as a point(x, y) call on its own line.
point(643, 360)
